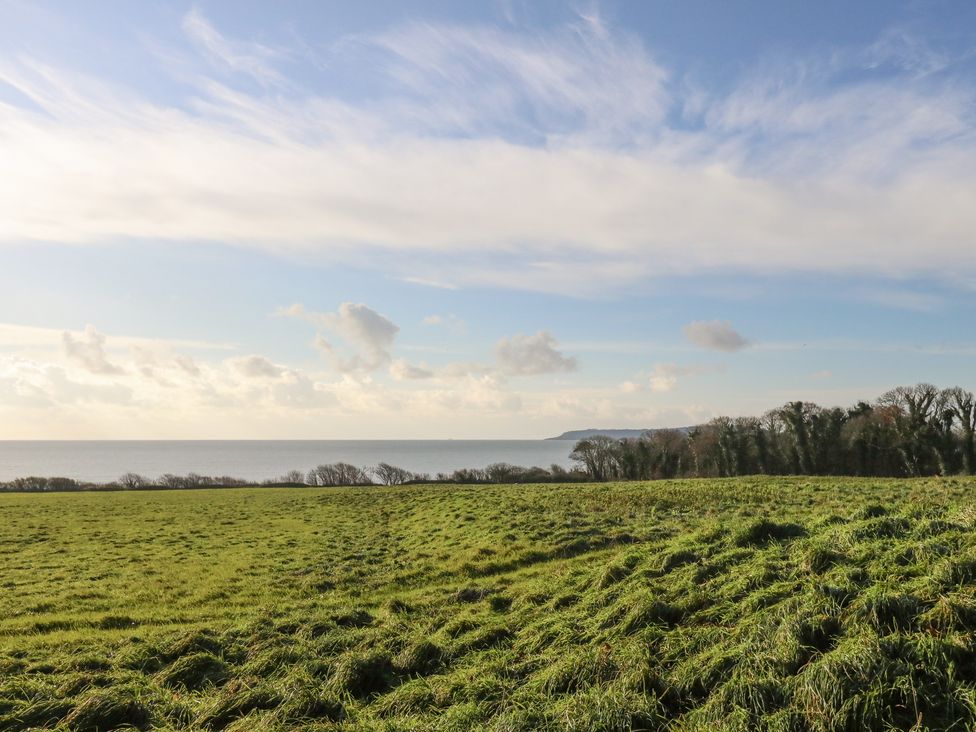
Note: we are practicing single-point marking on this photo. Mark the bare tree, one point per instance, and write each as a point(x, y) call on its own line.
point(335, 474)
point(131, 481)
point(391, 475)
point(596, 456)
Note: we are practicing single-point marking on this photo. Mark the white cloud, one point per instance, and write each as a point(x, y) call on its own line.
point(367, 335)
point(187, 364)
point(902, 299)
point(86, 377)
point(901, 49)
point(296, 390)
point(256, 367)
point(253, 59)
point(804, 169)
point(715, 335)
point(430, 283)
point(449, 322)
point(27, 336)
point(403, 371)
point(664, 376)
point(29, 383)
point(464, 369)
point(579, 75)
point(89, 351)
point(523, 355)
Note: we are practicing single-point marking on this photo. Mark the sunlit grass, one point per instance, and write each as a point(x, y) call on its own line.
point(750, 603)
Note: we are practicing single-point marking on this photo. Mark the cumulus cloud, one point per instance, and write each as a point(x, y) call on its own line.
point(715, 335)
point(298, 391)
point(187, 364)
point(89, 351)
point(367, 336)
point(31, 383)
point(403, 371)
point(531, 355)
point(464, 369)
point(256, 367)
point(664, 377)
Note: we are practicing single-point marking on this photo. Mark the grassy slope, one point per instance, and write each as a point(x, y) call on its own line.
point(787, 604)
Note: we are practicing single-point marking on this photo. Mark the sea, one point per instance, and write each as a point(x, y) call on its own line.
point(103, 461)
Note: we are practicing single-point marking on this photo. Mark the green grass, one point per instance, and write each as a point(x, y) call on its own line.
point(749, 603)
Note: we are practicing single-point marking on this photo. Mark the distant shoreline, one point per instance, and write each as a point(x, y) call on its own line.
point(617, 434)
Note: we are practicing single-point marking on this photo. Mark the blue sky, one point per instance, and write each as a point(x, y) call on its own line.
point(389, 219)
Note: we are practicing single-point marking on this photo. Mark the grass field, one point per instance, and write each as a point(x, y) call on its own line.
point(750, 603)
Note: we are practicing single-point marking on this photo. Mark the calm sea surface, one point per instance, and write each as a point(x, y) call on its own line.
point(103, 461)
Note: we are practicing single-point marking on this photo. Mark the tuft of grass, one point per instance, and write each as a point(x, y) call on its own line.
point(109, 709)
point(195, 671)
point(421, 657)
point(236, 701)
point(763, 531)
point(363, 674)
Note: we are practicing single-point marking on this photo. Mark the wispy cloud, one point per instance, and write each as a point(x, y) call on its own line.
point(665, 376)
point(715, 335)
point(567, 161)
point(253, 59)
point(901, 299)
point(578, 78)
point(27, 336)
point(450, 322)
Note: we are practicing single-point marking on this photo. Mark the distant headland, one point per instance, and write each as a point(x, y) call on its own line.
point(617, 434)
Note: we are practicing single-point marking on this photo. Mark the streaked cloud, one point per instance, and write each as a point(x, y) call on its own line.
point(450, 322)
point(13, 335)
point(256, 367)
point(532, 355)
point(253, 59)
point(901, 299)
point(715, 335)
point(498, 158)
point(664, 377)
point(401, 370)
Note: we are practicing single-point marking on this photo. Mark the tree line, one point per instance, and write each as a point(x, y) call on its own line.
point(909, 431)
point(326, 475)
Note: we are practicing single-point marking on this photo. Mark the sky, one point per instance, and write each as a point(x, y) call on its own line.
point(394, 220)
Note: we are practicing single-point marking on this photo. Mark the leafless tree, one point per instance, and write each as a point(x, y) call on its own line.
point(131, 481)
point(335, 474)
point(391, 475)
